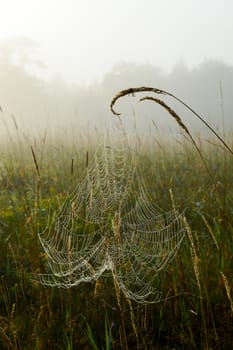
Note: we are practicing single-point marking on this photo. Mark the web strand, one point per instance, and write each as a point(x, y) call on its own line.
point(109, 223)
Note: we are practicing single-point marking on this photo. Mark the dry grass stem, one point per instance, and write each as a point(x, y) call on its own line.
point(35, 162)
point(195, 257)
point(132, 91)
point(228, 290)
point(210, 231)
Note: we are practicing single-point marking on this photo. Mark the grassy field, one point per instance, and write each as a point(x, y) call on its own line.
point(196, 311)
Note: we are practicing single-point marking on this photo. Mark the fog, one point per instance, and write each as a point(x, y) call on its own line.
point(39, 103)
point(61, 62)
point(82, 40)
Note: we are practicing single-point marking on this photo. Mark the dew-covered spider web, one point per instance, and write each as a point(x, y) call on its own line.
point(110, 225)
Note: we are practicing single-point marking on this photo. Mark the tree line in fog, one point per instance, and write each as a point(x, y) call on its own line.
point(34, 101)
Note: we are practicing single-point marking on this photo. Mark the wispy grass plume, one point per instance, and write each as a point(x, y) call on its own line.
point(132, 91)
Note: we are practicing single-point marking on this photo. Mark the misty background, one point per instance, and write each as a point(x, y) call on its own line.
point(35, 102)
point(61, 62)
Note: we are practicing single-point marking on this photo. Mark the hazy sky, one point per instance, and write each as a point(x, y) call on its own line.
point(82, 40)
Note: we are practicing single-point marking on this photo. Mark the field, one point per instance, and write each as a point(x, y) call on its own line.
point(196, 307)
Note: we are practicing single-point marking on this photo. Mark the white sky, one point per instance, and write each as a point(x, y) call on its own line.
point(82, 40)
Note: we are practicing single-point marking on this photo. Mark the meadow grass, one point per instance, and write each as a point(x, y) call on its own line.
point(196, 310)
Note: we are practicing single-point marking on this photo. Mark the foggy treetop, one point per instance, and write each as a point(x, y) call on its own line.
point(34, 101)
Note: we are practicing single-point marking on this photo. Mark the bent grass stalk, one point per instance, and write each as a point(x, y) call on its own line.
point(132, 91)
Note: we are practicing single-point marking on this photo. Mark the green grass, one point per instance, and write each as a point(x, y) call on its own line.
point(196, 311)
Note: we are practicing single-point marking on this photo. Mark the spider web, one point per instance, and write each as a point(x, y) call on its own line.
point(109, 224)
